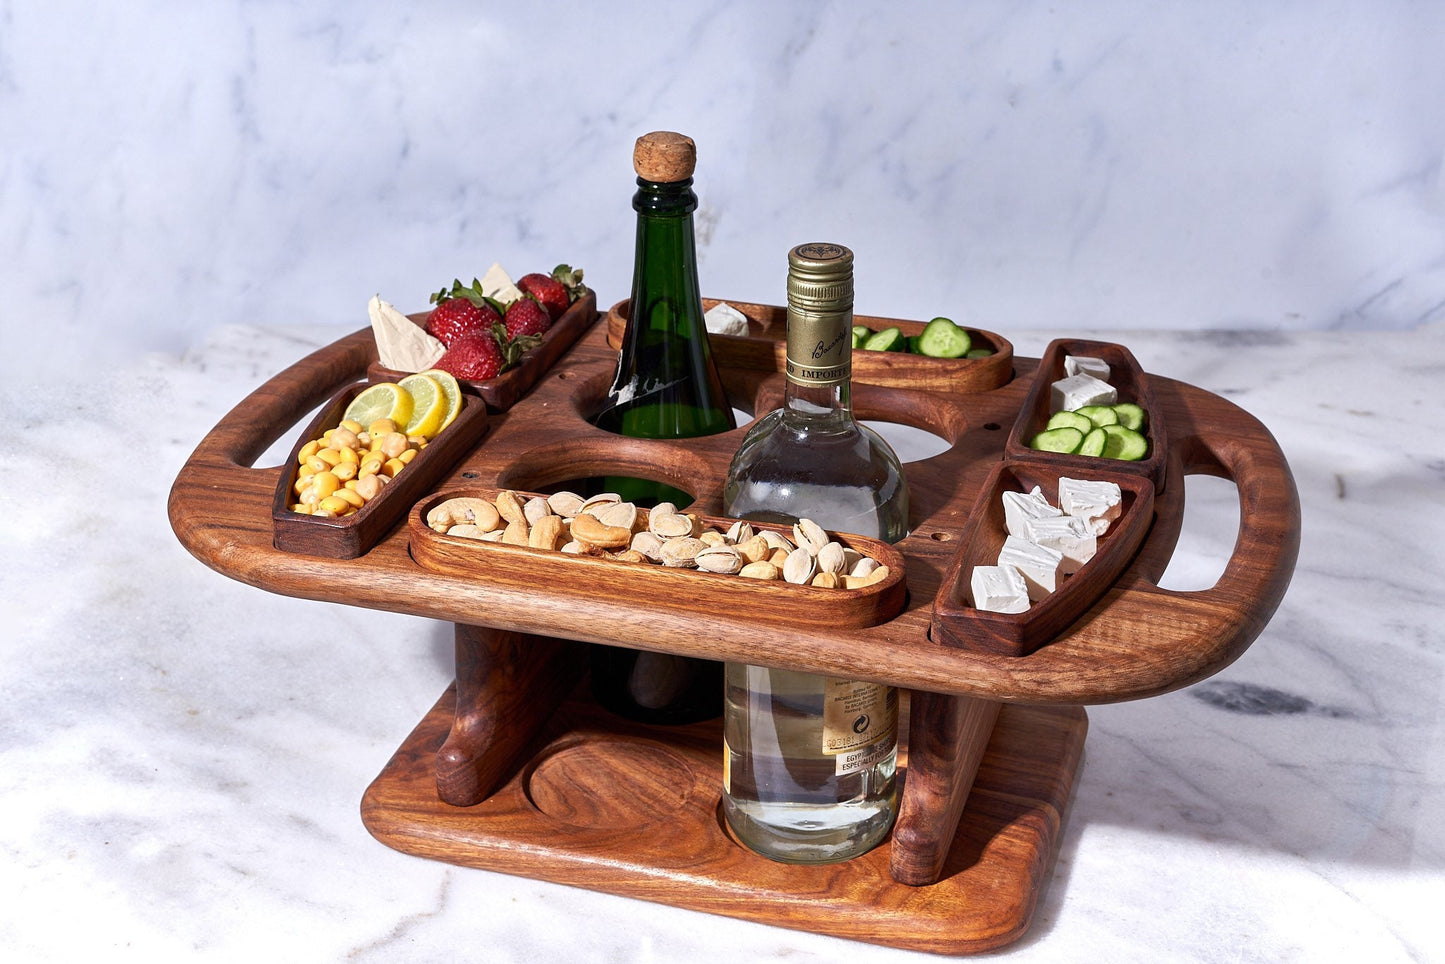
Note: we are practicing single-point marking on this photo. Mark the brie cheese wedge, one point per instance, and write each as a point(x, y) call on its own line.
point(1076, 391)
point(724, 319)
point(1068, 535)
point(1088, 364)
point(497, 284)
point(999, 589)
point(1039, 565)
point(1096, 504)
point(401, 343)
point(1019, 507)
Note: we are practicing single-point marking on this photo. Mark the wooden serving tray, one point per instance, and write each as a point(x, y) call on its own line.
point(647, 584)
point(955, 620)
point(502, 392)
point(765, 348)
point(986, 760)
point(1132, 384)
point(349, 536)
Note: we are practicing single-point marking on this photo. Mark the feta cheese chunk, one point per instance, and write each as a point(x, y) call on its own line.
point(1019, 507)
point(497, 284)
point(1068, 535)
point(1076, 391)
point(1088, 364)
point(401, 343)
point(1096, 504)
point(1039, 565)
point(724, 319)
point(999, 589)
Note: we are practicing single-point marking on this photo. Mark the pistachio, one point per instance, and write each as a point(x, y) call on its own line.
point(681, 552)
point(669, 525)
point(620, 514)
point(831, 558)
point(809, 535)
point(863, 566)
point(719, 558)
point(799, 567)
point(649, 544)
point(740, 531)
point(572, 548)
point(599, 501)
point(776, 540)
point(466, 530)
point(535, 508)
point(566, 504)
point(877, 575)
point(663, 508)
point(712, 537)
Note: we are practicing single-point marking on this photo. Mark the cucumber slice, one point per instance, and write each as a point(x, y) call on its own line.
point(1063, 440)
point(1070, 420)
point(1124, 443)
point(1094, 442)
point(889, 339)
point(1100, 415)
point(1130, 415)
point(941, 338)
point(979, 353)
point(912, 346)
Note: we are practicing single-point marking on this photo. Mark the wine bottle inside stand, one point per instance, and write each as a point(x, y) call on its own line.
point(808, 775)
point(666, 386)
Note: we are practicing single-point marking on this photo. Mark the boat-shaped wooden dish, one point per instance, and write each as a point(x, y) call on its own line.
point(1131, 384)
point(502, 392)
point(765, 348)
point(657, 586)
point(347, 537)
point(957, 623)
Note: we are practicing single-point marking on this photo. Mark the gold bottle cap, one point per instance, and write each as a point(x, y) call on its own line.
point(664, 157)
point(820, 314)
point(820, 277)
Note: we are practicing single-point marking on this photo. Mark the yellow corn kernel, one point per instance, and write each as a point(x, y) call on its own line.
point(325, 483)
point(348, 455)
point(302, 508)
point(408, 455)
point(392, 467)
point(308, 450)
point(316, 464)
point(370, 466)
point(345, 471)
point(351, 424)
point(380, 427)
point(335, 504)
point(329, 456)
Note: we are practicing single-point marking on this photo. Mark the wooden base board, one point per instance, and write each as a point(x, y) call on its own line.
point(634, 810)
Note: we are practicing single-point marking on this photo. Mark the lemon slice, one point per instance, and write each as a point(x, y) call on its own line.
point(452, 390)
point(382, 400)
point(429, 405)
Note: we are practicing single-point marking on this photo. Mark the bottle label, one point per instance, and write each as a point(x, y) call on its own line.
point(860, 723)
point(820, 348)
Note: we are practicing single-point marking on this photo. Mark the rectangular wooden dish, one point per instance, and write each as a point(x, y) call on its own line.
point(350, 536)
point(1128, 379)
point(765, 348)
point(502, 392)
point(957, 623)
point(660, 587)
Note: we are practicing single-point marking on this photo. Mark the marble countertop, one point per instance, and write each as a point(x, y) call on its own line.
point(182, 756)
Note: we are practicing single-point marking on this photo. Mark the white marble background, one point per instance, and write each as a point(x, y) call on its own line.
point(194, 195)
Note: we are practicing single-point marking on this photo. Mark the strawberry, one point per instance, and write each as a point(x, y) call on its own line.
point(555, 291)
point(474, 355)
point(527, 316)
point(460, 311)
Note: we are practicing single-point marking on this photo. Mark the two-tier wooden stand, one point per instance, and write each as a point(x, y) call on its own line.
point(515, 770)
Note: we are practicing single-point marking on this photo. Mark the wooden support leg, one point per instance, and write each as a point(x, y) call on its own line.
point(947, 736)
point(508, 685)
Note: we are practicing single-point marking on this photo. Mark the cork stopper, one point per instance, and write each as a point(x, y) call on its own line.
point(664, 157)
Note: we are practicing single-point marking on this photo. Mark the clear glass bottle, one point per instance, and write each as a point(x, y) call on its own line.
point(666, 386)
point(809, 767)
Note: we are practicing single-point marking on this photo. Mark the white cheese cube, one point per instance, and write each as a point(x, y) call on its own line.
point(724, 319)
point(1066, 534)
point(1088, 364)
point(1096, 504)
point(1019, 507)
point(1039, 565)
point(497, 284)
point(1076, 391)
point(999, 589)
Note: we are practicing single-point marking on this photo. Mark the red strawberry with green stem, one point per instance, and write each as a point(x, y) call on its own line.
point(460, 311)
point(526, 316)
point(556, 291)
point(475, 355)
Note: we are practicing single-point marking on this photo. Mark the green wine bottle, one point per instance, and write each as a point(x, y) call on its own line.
point(666, 386)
